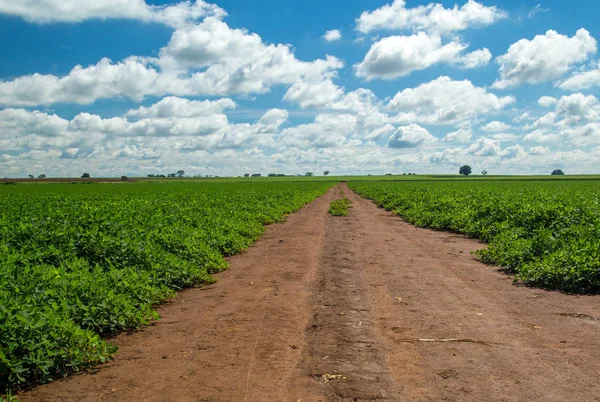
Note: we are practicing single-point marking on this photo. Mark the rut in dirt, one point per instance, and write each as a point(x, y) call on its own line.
point(344, 359)
point(357, 308)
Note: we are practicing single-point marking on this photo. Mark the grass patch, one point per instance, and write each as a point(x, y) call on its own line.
point(339, 207)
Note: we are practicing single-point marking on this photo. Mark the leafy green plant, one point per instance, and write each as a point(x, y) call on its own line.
point(339, 207)
point(9, 397)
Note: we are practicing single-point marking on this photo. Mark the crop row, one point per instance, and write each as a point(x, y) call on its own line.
point(547, 233)
point(78, 262)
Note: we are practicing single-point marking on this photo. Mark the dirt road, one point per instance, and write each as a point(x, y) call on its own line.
point(361, 308)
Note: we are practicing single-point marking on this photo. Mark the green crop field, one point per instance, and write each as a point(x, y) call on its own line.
point(79, 262)
point(545, 232)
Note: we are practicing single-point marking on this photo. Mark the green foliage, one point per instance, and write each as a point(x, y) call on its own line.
point(81, 262)
point(339, 207)
point(544, 232)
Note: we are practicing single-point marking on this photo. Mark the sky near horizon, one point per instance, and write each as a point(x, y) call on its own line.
point(134, 87)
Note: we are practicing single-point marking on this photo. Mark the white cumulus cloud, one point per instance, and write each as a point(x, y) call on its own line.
point(544, 58)
point(477, 58)
point(582, 80)
point(20, 122)
point(131, 78)
point(411, 136)
point(209, 59)
point(575, 120)
point(504, 137)
point(547, 101)
point(397, 56)
point(153, 132)
point(578, 108)
point(463, 134)
point(433, 17)
point(539, 150)
point(496, 126)
point(327, 131)
point(173, 106)
point(50, 11)
point(332, 35)
point(314, 93)
point(583, 135)
point(445, 101)
point(484, 147)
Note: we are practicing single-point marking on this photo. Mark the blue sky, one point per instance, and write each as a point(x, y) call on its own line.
point(131, 87)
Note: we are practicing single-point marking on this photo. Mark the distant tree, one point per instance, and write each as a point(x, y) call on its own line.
point(247, 175)
point(85, 176)
point(180, 173)
point(31, 176)
point(256, 175)
point(272, 175)
point(42, 176)
point(403, 174)
point(124, 178)
point(484, 172)
point(558, 172)
point(172, 175)
point(151, 175)
point(308, 174)
point(388, 174)
point(326, 173)
point(465, 170)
